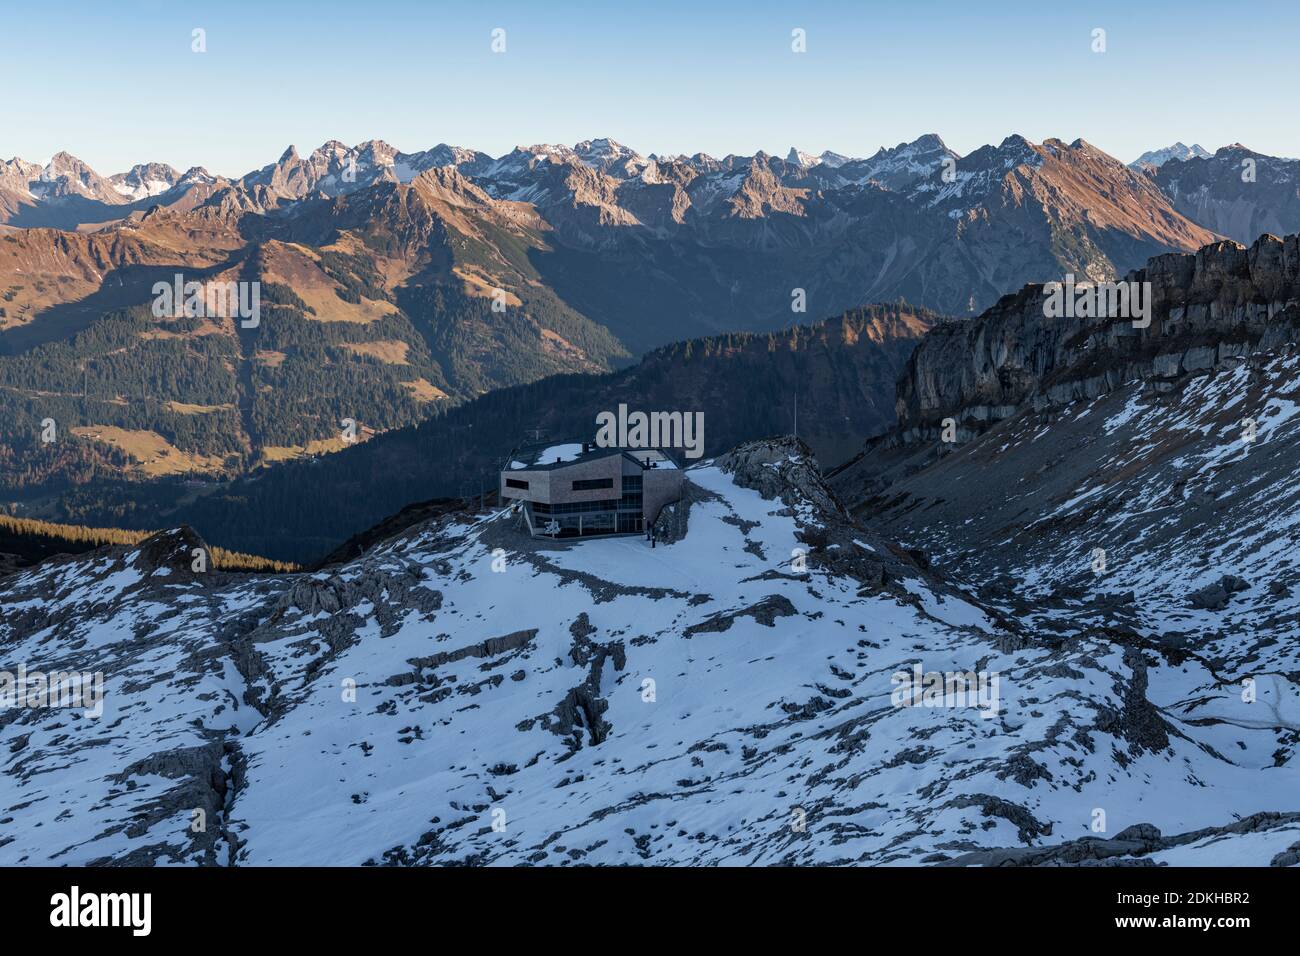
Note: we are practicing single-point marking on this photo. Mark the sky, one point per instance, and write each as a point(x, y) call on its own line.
point(119, 83)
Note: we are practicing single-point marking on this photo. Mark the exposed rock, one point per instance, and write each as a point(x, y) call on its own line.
point(395, 593)
point(765, 612)
point(780, 467)
point(1139, 721)
point(175, 550)
point(1129, 847)
point(982, 370)
point(1215, 597)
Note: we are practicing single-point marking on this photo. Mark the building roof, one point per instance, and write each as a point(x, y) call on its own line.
point(545, 456)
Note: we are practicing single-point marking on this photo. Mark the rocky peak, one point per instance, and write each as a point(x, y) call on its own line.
point(610, 157)
point(1155, 158)
point(928, 142)
point(174, 550)
point(145, 180)
point(797, 157)
point(449, 184)
point(761, 192)
point(445, 155)
point(66, 175)
point(16, 175)
point(63, 163)
point(329, 150)
point(375, 152)
point(903, 166)
point(197, 174)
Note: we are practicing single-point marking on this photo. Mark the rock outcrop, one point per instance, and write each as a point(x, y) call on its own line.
point(1208, 309)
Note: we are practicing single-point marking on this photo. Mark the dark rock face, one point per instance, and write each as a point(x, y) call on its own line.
point(765, 612)
point(1139, 721)
point(1208, 309)
point(583, 707)
point(1215, 597)
point(174, 550)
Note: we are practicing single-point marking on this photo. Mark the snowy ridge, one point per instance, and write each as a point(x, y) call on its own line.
point(505, 716)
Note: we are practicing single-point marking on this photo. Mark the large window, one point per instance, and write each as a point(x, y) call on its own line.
point(573, 508)
point(571, 526)
point(600, 523)
point(516, 483)
point(631, 500)
point(593, 484)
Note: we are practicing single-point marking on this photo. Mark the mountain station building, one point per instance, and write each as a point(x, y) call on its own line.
point(576, 489)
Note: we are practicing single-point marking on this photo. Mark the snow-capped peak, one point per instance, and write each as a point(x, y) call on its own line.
point(1155, 158)
point(797, 157)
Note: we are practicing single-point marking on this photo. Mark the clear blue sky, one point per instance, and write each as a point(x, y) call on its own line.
point(116, 83)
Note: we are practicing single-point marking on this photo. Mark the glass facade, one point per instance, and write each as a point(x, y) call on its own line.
point(573, 507)
point(585, 524)
point(613, 515)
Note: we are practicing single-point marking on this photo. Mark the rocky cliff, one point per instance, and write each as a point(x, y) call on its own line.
point(1208, 309)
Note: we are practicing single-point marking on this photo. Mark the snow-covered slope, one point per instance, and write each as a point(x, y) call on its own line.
point(1148, 530)
point(464, 694)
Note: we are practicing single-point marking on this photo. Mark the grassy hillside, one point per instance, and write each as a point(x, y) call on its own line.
point(842, 372)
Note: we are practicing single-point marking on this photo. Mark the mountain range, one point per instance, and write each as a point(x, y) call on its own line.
point(398, 286)
point(917, 221)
